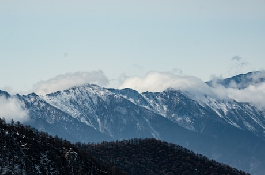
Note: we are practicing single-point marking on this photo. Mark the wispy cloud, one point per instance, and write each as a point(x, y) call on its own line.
point(236, 58)
point(238, 65)
point(68, 80)
point(11, 108)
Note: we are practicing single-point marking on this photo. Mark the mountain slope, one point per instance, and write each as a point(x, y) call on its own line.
point(170, 115)
point(194, 115)
point(46, 117)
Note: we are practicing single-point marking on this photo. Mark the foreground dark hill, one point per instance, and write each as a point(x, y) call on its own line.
point(25, 150)
point(154, 157)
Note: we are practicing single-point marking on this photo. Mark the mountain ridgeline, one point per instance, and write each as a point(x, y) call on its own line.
point(25, 150)
point(227, 131)
point(240, 81)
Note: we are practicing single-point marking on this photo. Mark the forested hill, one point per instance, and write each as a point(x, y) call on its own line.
point(153, 157)
point(25, 150)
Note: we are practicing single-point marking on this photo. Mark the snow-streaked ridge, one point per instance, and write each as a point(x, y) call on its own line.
point(72, 99)
point(240, 115)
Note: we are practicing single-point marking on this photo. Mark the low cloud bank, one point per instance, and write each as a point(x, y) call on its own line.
point(253, 91)
point(159, 81)
point(62, 82)
point(248, 88)
point(254, 94)
point(11, 108)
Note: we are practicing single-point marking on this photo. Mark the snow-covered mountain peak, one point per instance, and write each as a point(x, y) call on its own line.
point(72, 99)
point(92, 88)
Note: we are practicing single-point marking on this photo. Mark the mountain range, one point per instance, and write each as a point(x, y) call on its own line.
point(225, 130)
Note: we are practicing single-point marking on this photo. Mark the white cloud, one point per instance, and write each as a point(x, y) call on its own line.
point(69, 80)
point(11, 108)
point(160, 81)
point(254, 94)
point(251, 89)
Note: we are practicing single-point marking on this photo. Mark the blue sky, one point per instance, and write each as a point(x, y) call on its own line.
point(42, 39)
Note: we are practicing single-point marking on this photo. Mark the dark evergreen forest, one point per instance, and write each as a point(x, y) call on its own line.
point(151, 156)
point(25, 150)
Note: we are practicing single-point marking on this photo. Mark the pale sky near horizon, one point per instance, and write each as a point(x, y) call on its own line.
point(42, 39)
